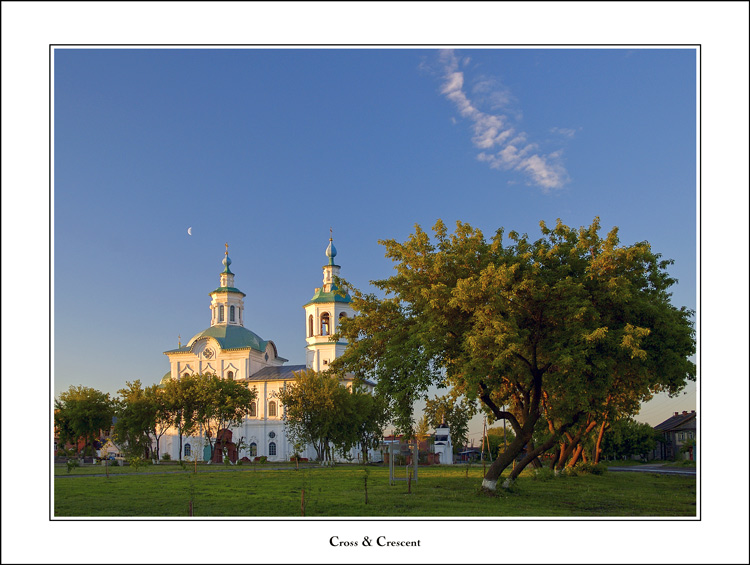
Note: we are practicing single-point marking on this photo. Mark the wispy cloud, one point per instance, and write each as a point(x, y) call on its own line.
point(502, 146)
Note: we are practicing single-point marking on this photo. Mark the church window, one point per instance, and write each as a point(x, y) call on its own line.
point(221, 313)
point(272, 448)
point(253, 410)
point(325, 324)
point(187, 450)
point(253, 449)
point(231, 313)
point(310, 326)
point(186, 375)
point(230, 375)
point(342, 315)
point(272, 409)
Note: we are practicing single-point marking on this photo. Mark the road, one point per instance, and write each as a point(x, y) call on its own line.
point(658, 468)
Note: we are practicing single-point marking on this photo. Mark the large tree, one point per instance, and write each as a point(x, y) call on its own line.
point(83, 412)
point(143, 417)
point(320, 410)
point(563, 330)
point(220, 404)
point(180, 404)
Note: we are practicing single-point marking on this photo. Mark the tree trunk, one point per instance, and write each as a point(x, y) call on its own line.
point(598, 448)
point(506, 458)
point(576, 455)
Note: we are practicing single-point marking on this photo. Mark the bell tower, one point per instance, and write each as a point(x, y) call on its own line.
point(322, 315)
point(226, 301)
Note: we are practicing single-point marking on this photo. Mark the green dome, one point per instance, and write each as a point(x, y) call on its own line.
point(231, 337)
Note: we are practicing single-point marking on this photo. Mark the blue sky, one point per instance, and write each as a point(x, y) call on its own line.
point(266, 149)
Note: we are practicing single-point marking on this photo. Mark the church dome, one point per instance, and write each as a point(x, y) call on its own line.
point(231, 337)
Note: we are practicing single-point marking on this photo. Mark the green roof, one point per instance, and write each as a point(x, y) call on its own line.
point(231, 337)
point(227, 289)
point(332, 296)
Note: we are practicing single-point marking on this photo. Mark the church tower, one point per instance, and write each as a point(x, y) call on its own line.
point(322, 315)
point(226, 301)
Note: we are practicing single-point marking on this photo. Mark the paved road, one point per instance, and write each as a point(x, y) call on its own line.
point(690, 471)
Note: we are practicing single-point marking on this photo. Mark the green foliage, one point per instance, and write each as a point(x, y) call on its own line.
point(262, 459)
point(83, 412)
point(626, 437)
point(208, 402)
point(136, 462)
point(498, 439)
point(140, 414)
point(564, 328)
point(71, 464)
point(166, 457)
point(320, 410)
point(590, 469)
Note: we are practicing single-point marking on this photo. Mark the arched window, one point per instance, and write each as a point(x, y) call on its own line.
point(253, 410)
point(342, 315)
point(310, 326)
point(325, 324)
point(187, 450)
point(186, 375)
point(231, 313)
point(272, 448)
point(253, 449)
point(272, 409)
point(221, 313)
point(230, 375)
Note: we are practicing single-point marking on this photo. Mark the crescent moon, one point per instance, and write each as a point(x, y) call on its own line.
point(190, 230)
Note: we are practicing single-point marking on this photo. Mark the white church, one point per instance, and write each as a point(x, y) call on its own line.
point(231, 351)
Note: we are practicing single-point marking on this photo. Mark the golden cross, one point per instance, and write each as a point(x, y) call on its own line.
point(226, 252)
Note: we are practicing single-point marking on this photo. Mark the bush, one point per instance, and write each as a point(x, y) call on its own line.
point(263, 459)
point(135, 462)
point(590, 469)
point(166, 457)
point(72, 463)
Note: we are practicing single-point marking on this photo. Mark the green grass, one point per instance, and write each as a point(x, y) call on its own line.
point(441, 491)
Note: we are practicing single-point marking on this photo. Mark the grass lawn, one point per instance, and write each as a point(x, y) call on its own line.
point(441, 491)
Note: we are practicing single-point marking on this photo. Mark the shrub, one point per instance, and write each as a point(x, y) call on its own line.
point(590, 469)
point(263, 459)
point(135, 462)
point(166, 457)
point(72, 463)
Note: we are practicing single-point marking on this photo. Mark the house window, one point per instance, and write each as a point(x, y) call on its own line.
point(272, 409)
point(253, 410)
point(325, 324)
point(187, 450)
point(681, 436)
point(272, 448)
point(221, 313)
point(253, 449)
point(310, 326)
point(231, 313)
point(230, 375)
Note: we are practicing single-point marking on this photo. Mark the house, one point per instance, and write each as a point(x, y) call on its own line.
point(109, 450)
point(676, 432)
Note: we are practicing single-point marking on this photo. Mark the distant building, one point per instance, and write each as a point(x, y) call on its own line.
point(231, 351)
point(675, 432)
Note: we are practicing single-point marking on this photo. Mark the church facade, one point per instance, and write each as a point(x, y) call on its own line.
point(229, 350)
